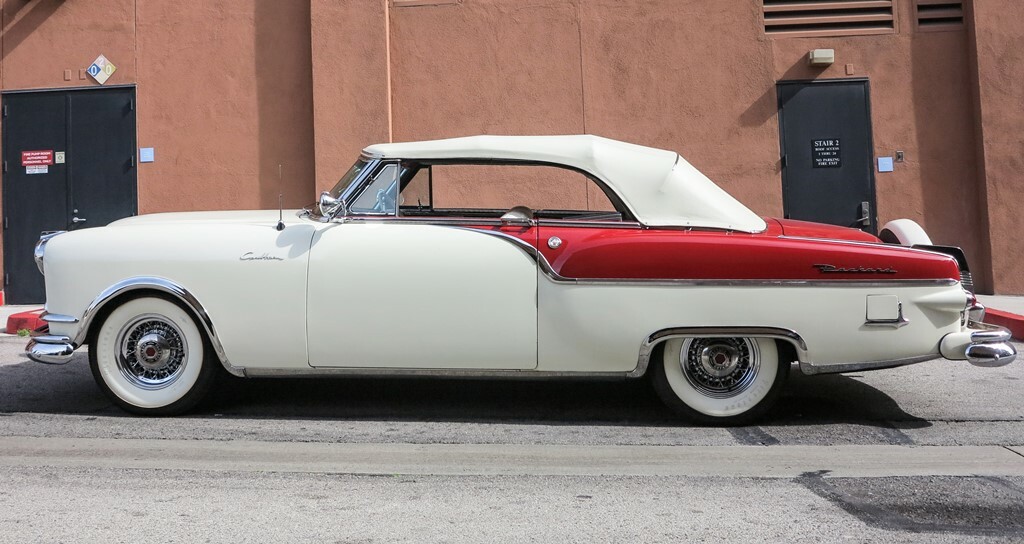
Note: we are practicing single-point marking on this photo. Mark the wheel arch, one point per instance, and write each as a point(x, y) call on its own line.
point(134, 287)
point(789, 341)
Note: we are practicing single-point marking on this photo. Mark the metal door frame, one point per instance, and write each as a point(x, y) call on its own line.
point(871, 137)
point(68, 187)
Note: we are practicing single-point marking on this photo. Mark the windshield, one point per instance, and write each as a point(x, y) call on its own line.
point(349, 177)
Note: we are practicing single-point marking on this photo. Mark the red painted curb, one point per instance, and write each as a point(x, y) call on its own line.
point(1011, 321)
point(24, 320)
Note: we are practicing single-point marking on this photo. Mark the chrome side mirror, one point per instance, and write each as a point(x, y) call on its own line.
point(328, 204)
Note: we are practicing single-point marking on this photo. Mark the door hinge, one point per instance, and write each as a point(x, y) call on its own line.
point(785, 161)
point(5, 223)
point(5, 167)
point(5, 110)
point(7, 279)
point(131, 104)
point(131, 161)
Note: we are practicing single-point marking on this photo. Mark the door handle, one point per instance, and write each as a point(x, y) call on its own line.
point(78, 220)
point(865, 214)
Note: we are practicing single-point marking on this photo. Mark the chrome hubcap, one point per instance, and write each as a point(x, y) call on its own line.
point(720, 367)
point(152, 352)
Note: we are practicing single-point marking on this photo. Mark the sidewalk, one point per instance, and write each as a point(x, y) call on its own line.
point(1005, 311)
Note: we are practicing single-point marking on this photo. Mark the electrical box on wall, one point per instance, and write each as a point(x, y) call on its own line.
point(822, 57)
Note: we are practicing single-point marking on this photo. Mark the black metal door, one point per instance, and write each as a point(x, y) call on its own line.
point(827, 155)
point(69, 163)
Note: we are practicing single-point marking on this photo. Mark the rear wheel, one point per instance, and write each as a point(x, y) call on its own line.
point(150, 357)
point(720, 381)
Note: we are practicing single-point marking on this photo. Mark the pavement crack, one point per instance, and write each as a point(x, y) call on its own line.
point(1013, 451)
point(753, 436)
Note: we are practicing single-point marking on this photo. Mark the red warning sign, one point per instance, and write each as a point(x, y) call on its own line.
point(37, 158)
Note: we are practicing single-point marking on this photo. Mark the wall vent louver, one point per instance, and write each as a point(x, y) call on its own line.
point(808, 18)
point(939, 14)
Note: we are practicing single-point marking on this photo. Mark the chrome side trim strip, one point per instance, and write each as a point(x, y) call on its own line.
point(545, 266)
point(648, 345)
point(810, 368)
point(424, 373)
point(57, 318)
point(164, 286)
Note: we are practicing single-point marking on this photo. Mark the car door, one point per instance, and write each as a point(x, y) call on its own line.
point(388, 292)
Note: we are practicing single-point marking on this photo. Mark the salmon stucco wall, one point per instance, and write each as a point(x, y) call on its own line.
point(225, 97)
point(247, 99)
point(997, 63)
point(350, 82)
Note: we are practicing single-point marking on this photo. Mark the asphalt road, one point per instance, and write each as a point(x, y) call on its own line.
point(931, 452)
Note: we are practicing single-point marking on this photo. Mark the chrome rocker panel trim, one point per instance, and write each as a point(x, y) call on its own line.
point(50, 350)
point(811, 369)
point(370, 372)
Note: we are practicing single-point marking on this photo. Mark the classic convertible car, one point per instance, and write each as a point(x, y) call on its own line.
point(502, 256)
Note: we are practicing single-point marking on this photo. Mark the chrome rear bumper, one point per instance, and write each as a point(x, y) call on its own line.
point(981, 345)
point(52, 350)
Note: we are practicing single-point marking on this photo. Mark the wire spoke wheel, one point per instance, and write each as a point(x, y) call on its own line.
point(720, 380)
point(150, 357)
point(720, 367)
point(153, 352)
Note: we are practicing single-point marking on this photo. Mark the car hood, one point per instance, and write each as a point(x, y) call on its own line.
point(246, 217)
point(806, 229)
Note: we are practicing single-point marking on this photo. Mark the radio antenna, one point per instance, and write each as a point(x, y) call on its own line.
point(280, 203)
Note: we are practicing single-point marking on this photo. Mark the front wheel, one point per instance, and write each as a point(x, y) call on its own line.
point(151, 358)
point(719, 381)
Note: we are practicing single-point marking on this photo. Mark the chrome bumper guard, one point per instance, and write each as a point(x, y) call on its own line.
point(989, 346)
point(51, 350)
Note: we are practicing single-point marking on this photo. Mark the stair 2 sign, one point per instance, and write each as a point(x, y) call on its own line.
point(101, 69)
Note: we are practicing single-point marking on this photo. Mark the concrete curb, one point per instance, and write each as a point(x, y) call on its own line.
point(24, 320)
point(1013, 322)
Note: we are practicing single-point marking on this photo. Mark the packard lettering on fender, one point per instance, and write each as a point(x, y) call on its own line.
point(667, 275)
point(832, 269)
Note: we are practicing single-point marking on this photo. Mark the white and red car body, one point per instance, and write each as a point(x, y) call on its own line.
point(366, 294)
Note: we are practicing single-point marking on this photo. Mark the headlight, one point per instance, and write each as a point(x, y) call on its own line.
point(41, 248)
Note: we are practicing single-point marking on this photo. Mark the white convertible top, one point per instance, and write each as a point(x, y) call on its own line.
point(659, 187)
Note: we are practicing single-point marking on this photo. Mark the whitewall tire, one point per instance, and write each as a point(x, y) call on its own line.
point(151, 358)
point(719, 381)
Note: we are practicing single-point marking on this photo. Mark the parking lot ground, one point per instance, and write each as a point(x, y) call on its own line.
point(930, 452)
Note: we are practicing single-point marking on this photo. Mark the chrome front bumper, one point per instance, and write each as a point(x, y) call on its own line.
point(52, 350)
point(981, 345)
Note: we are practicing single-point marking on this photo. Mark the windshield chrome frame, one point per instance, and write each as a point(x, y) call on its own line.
point(374, 168)
point(372, 164)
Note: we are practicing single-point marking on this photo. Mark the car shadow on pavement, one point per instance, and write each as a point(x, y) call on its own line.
point(819, 400)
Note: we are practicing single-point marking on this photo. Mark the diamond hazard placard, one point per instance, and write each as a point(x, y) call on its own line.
point(101, 69)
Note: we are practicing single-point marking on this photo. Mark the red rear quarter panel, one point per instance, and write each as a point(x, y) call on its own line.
point(651, 254)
